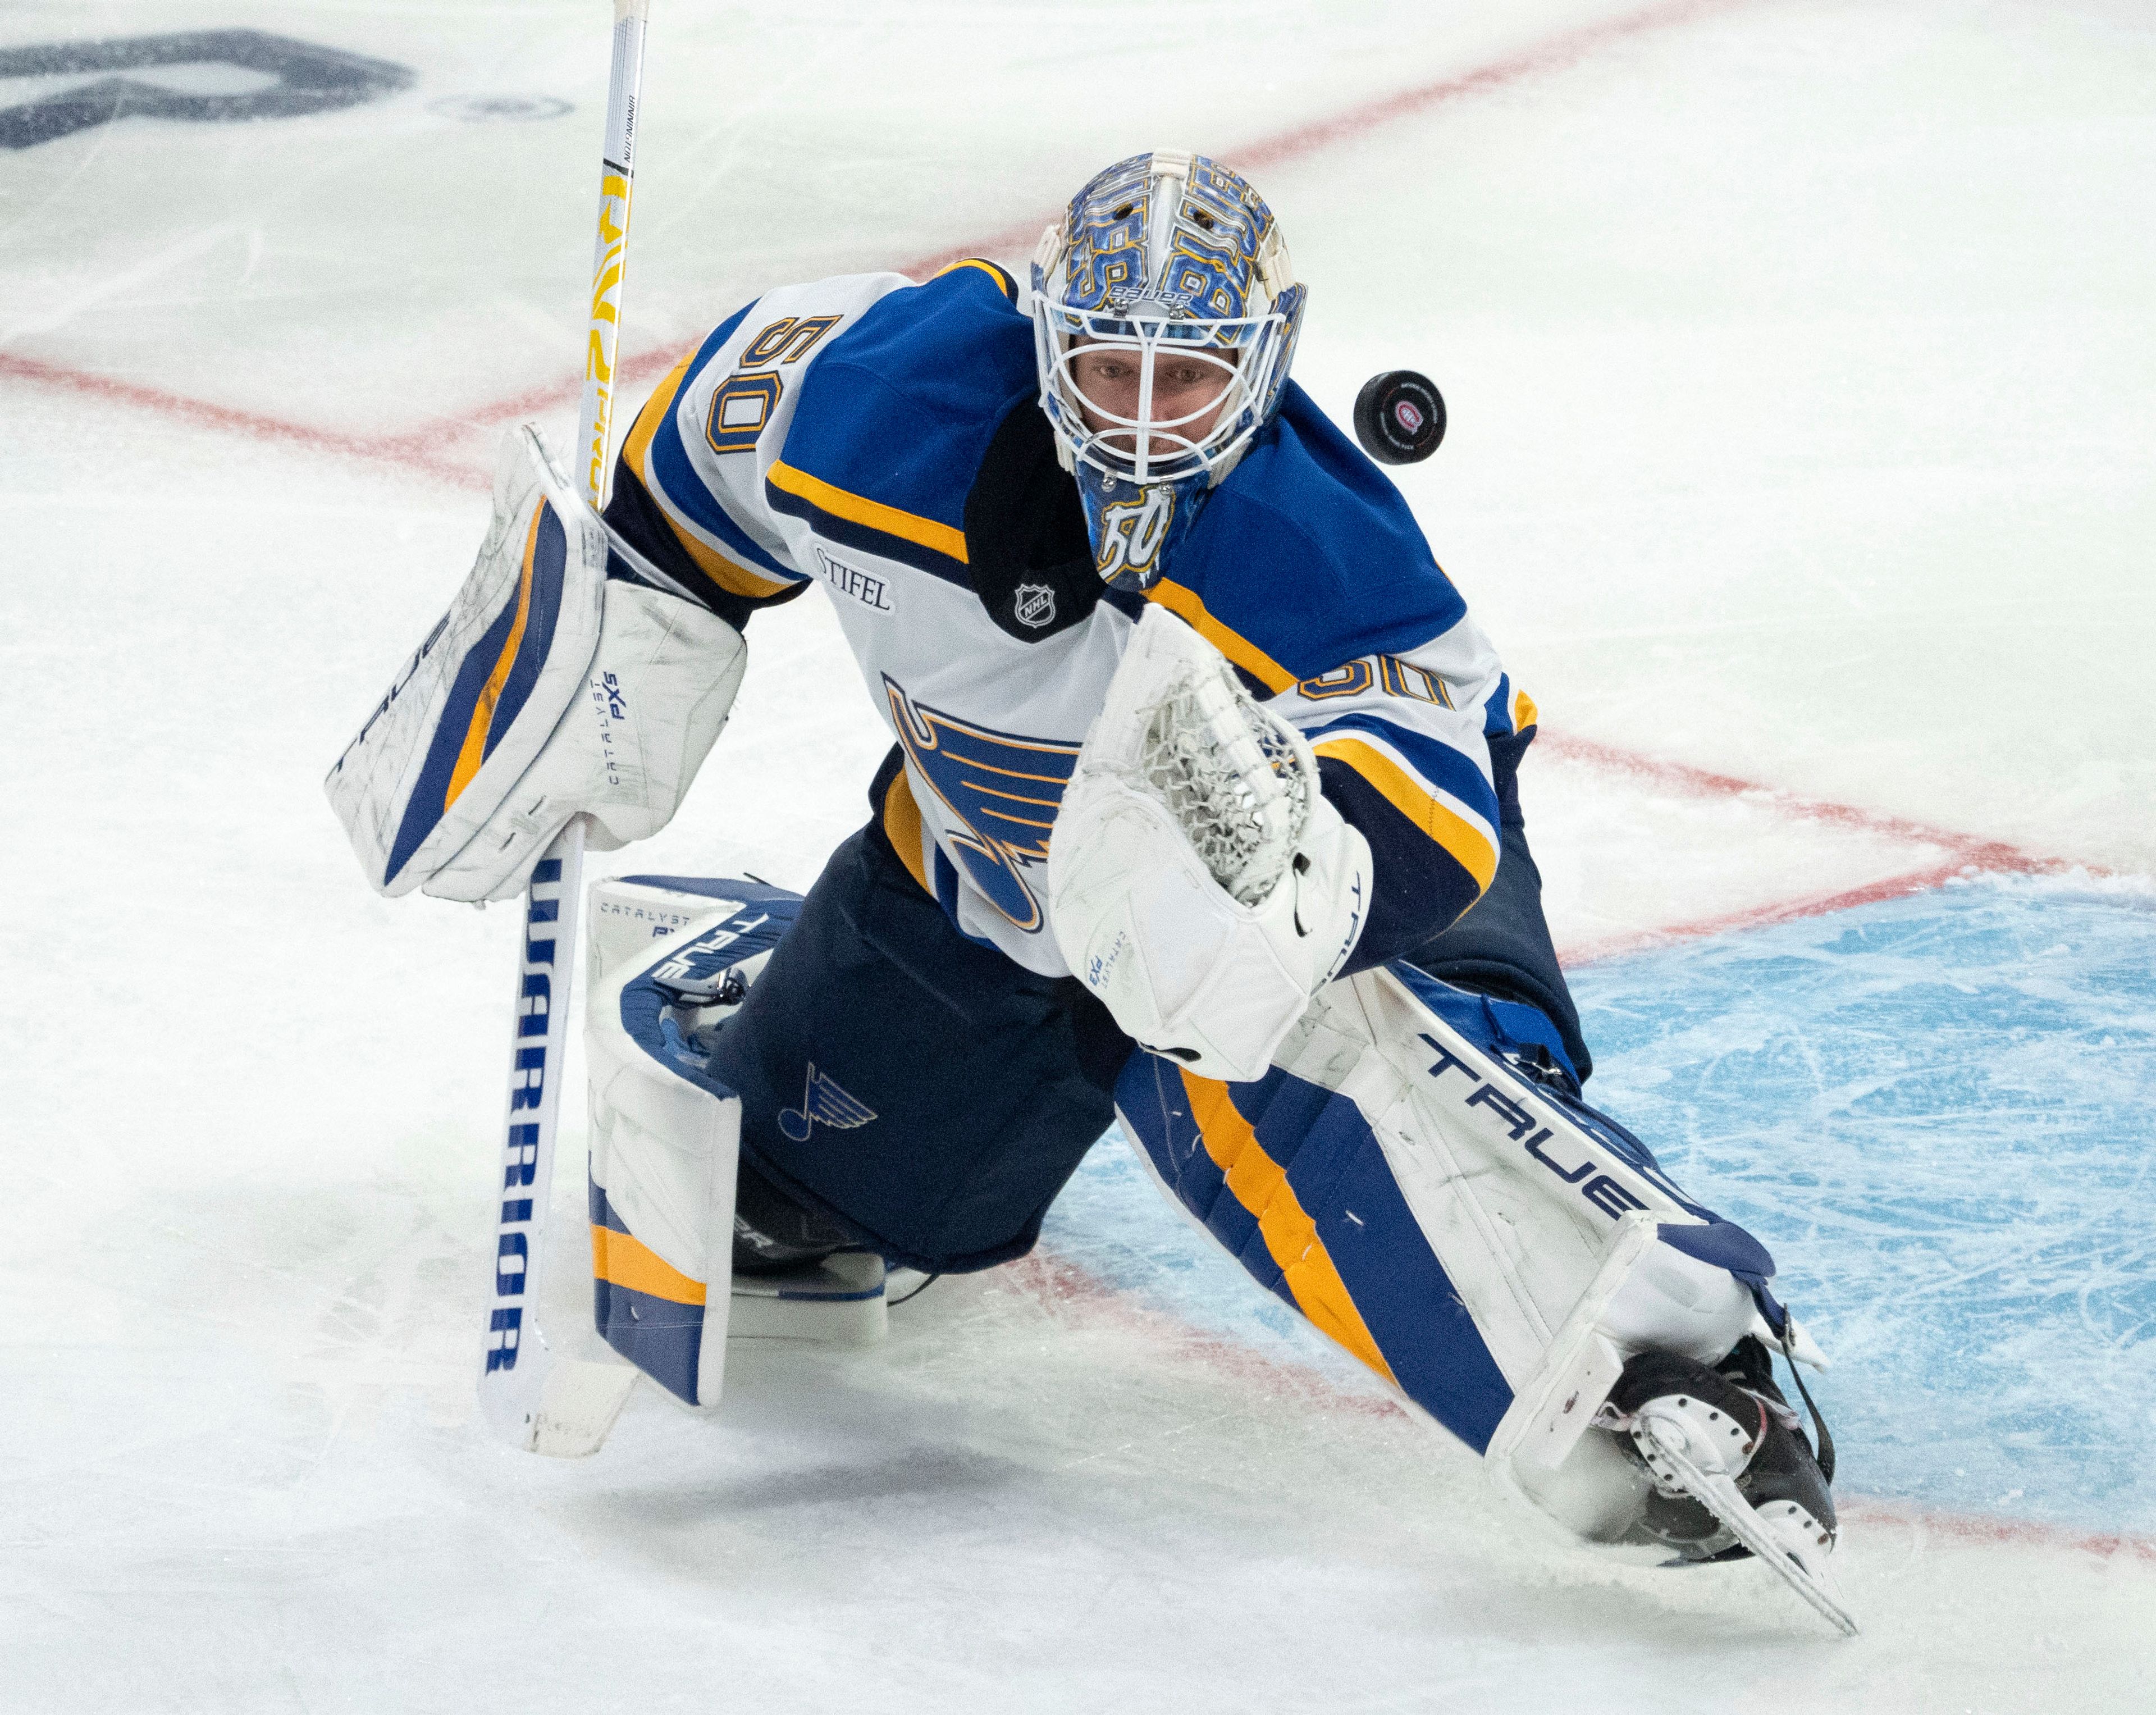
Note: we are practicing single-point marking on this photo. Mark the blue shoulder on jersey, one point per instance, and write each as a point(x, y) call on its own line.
point(1309, 555)
point(896, 416)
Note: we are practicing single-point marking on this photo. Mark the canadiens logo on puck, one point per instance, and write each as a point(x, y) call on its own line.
point(1034, 606)
point(1399, 417)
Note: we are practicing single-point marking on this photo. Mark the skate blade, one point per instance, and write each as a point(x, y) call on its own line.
point(839, 1301)
point(1782, 1536)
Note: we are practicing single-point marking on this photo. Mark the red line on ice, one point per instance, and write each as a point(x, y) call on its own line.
point(1019, 239)
point(1970, 849)
point(412, 450)
point(1054, 1282)
point(425, 447)
point(1983, 1530)
point(1966, 853)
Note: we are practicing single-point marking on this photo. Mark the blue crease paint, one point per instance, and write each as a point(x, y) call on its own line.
point(1939, 1112)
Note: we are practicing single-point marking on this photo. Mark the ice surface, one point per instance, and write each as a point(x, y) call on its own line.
point(1942, 1112)
point(1627, 859)
point(1938, 1111)
point(1799, 366)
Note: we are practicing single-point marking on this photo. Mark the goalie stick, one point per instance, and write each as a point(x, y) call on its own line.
point(531, 1396)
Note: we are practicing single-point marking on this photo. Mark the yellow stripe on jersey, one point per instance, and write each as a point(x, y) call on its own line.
point(1524, 714)
point(622, 1260)
point(473, 750)
point(901, 826)
point(1261, 1185)
point(1468, 845)
point(873, 515)
point(1004, 283)
point(636, 450)
point(729, 575)
point(1186, 606)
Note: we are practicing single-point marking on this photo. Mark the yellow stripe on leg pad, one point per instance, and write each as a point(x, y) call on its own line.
point(473, 750)
point(622, 1260)
point(1261, 1185)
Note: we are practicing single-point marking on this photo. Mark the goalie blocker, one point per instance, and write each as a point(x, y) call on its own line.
point(546, 692)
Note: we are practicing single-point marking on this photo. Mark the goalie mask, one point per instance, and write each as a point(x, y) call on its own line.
point(1164, 318)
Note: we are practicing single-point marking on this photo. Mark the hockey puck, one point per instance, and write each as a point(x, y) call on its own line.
point(1399, 417)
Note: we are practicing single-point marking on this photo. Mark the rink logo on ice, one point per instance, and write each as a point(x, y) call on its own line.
point(198, 76)
point(823, 1103)
point(498, 110)
point(523, 1181)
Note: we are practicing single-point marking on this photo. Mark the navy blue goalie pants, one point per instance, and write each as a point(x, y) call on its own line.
point(933, 1098)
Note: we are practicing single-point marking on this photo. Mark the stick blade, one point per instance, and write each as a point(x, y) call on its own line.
point(567, 1414)
point(576, 1408)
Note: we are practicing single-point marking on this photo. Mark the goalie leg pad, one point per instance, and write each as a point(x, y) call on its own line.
point(1447, 1212)
point(666, 1134)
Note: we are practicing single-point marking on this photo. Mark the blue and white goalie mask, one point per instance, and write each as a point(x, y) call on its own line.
point(1164, 316)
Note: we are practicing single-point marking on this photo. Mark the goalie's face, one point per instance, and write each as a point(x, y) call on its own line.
point(1164, 314)
point(1152, 403)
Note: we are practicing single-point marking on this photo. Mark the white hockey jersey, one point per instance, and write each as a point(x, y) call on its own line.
point(860, 432)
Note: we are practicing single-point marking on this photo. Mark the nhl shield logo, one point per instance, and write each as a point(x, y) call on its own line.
point(1034, 606)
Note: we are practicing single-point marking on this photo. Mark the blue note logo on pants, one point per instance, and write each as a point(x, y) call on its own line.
point(823, 1103)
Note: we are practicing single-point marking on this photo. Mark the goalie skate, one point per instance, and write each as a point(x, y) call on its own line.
point(1732, 1475)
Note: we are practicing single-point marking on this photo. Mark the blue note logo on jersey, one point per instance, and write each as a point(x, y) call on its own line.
point(823, 1103)
point(1002, 790)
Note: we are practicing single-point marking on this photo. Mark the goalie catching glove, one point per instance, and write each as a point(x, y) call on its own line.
point(1200, 883)
point(545, 692)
